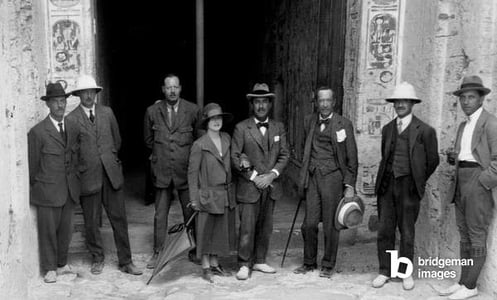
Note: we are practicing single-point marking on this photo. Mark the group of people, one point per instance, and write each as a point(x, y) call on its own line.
point(74, 159)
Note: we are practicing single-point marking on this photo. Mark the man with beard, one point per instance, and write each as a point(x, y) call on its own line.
point(259, 153)
point(170, 127)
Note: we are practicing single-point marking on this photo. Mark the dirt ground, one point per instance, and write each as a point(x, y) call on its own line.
point(356, 267)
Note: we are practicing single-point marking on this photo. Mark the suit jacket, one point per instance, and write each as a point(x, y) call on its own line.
point(423, 152)
point(248, 140)
point(53, 173)
point(344, 148)
point(484, 150)
point(100, 143)
point(170, 145)
point(209, 175)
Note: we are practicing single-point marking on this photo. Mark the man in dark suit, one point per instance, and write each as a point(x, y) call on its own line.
point(53, 148)
point(475, 158)
point(409, 155)
point(261, 143)
point(329, 172)
point(170, 127)
point(101, 175)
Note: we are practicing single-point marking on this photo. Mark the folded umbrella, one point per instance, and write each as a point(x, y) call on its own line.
point(179, 240)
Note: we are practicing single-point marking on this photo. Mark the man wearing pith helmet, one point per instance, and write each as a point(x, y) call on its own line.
point(259, 154)
point(475, 158)
point(409, 155)
point(53, 148)
point(101, 175)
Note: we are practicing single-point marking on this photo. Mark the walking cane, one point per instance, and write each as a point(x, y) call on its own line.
point(291, 231)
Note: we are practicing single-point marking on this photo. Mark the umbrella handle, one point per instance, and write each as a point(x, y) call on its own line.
point(191, 218)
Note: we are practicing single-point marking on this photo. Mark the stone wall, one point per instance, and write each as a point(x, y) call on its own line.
point(22, 56)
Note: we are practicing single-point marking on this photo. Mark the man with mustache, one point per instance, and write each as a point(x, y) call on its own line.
point(409, 155)
point(53, 149)
point(475, 158)
point(259, 154)
point(101, 175)
point(170, 127)
point(328, 173)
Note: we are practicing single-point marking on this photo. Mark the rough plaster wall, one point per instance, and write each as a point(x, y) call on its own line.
point(443, 41)
point(21, 37)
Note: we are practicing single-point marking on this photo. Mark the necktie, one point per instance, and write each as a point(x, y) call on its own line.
point(399, 126)
point(263, 126)
point(62, 132)
point(170, 116)
point(323, 123)
point(92, 116)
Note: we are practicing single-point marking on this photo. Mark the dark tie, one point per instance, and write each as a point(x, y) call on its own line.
point(325, 122)
point(262, 124)
point(62, 132)
point(92, 116)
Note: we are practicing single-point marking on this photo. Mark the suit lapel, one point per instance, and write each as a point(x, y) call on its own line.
point(256, 133)
point(389, 136)
point(459, 136)
point(478, 132)
point(335, 123)
point(163, 112)
point(85, 121)
point(179, 115)
point(413, 132)
point(52, 131)
point(272, 131)
point(211, 147)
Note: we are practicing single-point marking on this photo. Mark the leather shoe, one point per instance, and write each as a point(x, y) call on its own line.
point(207, 274)
point(304, 269)
point(219, 271)
point(50, 277)
point(153, 261)
point(325, 272)
point(97, 267)
point(130, 269)
point(64, 270)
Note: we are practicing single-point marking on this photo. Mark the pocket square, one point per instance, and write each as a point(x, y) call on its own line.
point(341, 135)
point(276, 138)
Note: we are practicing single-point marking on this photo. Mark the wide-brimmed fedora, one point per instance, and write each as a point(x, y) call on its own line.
point(212, 110)
point(54, 90)
point(85, 82)
point(404, 91)
point(260, 90)
point(349, 213)
point(472, 83)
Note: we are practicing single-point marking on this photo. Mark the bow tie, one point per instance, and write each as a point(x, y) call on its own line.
point(262, 124)
point(325, 121)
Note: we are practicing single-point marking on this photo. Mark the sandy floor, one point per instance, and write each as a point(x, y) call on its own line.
point(356, 267)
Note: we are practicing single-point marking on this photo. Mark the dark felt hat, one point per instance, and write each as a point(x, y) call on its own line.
point(472, 83)
point(54, 90)
point(212, 110)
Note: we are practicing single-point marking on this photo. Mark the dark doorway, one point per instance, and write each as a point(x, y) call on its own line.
point(137, 45)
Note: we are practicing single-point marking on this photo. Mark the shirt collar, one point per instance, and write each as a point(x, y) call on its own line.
point(328, 117)
point(405, 120)
point(265, 121)
point(87, 110)
point(474, 116)
point(175, 106)
point(56, 123)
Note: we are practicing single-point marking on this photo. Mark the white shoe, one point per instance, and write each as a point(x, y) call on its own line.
point(408, 283)
point(380, 281)
point(450, 290)
point(65, 270)
point(464, 293)
point(50, 277)
point(264, 268)
point(243, 273)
